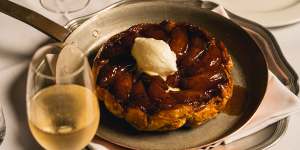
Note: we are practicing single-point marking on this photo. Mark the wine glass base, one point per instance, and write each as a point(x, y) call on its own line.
point(64, 6)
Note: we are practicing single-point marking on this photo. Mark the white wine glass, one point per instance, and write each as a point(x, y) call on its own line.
point(62, 108)
point(64, 6)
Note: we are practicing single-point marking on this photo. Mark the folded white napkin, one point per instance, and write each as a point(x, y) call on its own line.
point(278, 103)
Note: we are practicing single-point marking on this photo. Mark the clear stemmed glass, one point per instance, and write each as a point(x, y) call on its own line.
point(64, 6)
point(62, 108)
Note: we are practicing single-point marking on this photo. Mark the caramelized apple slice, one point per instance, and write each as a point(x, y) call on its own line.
point(120, 44)
point(157, 92)
point(168, 25)
point(138, 92)
point(154, 31)
point(173, 80)
point(147, 80)
point(225, 56)
point(122, 85)
point(204, 81)
point(212, 59)
point(139, 98)
point(179, 40)
point(106, 75)
point(109, 52)
point(108, 72)
point(197, 48)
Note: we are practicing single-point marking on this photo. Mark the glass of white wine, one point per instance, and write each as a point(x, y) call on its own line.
point(62, 107)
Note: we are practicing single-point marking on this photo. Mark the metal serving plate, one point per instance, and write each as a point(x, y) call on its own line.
point(276, 62)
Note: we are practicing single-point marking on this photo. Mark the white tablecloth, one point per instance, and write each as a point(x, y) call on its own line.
point(18, 41)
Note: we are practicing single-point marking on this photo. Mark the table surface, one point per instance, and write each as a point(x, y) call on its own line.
point(18, 41)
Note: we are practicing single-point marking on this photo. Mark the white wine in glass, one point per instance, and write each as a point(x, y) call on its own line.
point(62, 115)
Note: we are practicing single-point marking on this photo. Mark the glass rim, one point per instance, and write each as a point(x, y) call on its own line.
point(42, 51)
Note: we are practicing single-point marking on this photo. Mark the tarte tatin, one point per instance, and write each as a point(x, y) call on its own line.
point(144, 101)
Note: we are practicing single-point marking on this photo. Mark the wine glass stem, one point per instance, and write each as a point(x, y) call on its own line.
point(61, 8)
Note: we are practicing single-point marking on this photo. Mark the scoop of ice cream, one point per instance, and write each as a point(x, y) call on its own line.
point(154, 57)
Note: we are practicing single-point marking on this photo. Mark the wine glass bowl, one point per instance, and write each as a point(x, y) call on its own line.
point(62, 108)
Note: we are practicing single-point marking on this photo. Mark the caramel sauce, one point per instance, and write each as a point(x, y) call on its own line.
point(201, 62)
point(236, 104)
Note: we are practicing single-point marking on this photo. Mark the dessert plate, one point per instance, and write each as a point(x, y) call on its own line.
point(269, 13)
